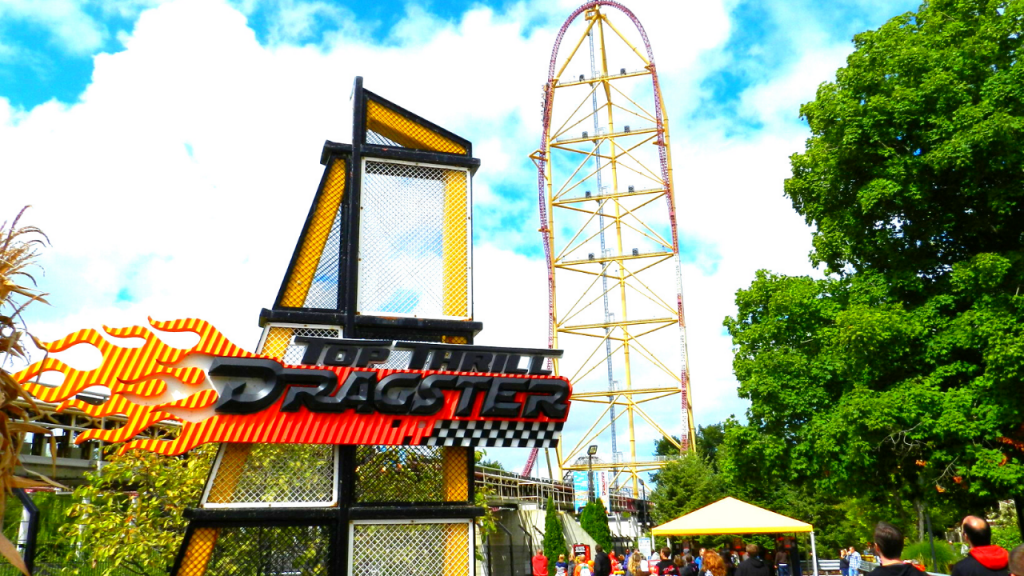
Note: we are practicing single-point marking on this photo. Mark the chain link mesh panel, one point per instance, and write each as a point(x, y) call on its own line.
point(414, 241)
point(430, 549)
point(381, 140)
point(323, 291)
point(273, 474)
point(389, 128)
point(313, 280)
point(411, 474)
point(258, 551)
point(398, 359)
point(280, 341)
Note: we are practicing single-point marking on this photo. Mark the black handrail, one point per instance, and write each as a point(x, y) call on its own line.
point(511, 551)
point(29, 554)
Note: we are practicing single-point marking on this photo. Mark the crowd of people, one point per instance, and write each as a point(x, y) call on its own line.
point(983, 559)
point(664, 563)
point(849, 561)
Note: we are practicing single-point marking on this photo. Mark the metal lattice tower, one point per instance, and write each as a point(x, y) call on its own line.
point(608, 223)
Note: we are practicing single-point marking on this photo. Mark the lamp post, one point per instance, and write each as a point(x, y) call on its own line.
point(591, 450)
point(642, 507)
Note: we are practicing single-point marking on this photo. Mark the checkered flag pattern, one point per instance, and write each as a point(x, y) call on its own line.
point(496, 434)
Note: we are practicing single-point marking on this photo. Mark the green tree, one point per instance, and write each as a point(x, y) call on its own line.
point(855, 393)
point(897, 376)
point(594, 520)
point(481, 460)
point(709, 438)
point(129, 515)
point(663, 447)
point(685, 485)
point(554, 538)
point(915, 158)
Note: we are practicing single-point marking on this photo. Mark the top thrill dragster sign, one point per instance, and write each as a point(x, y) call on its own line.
point(341, 393)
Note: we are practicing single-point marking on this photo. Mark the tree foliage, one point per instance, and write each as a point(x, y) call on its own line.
point(685, 485)
point(897, 377)
point(916, 153)
point(129, 514)
point(594, 520)
point(554, 537)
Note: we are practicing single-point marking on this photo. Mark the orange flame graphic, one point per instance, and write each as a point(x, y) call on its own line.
point(138, 381)
point(127, 372)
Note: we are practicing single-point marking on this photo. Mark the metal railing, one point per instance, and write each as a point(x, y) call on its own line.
point(510, 488)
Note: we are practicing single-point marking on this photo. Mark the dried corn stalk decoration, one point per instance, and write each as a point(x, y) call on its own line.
point(19, 249)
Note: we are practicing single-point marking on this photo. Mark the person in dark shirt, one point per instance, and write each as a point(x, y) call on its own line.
point(1016, 566)
point(888, 547)
point(753, 565)
point(602, 564)
point(730, 566)
point(984, 559)
point(666, 565)
point(691, 568)
point(782, 562)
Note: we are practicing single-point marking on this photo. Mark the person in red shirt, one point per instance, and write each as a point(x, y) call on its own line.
point(540, 564)
point(985, 558)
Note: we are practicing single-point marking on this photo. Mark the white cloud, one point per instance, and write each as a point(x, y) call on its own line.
point(184, 173)
point(297, 22)
point(65, 20)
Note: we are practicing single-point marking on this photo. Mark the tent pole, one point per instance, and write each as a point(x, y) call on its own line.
point(814, 555)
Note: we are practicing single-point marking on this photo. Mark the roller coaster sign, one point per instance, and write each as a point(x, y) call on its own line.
point(344, 391)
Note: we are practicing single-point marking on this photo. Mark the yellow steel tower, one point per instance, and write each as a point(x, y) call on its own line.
point(609, 229)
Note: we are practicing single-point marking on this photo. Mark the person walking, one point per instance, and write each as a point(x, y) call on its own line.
point(1016, 566)
point(635, 566)
point(854, 558)
point(561, 568)
point(712, 564)
point(888, 547)
point(690, 567)
point(582, 567)
point(985, 558)
point(665, 566)
point(730, 566)
point(782, 562)
point(653, 560)
point(540, 564)
point(602, 564)
point(753, 565)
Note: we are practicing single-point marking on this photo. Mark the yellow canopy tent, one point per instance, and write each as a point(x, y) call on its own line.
point(732, 516)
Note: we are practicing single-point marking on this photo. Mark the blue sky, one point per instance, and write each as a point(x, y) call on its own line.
point(170, 149)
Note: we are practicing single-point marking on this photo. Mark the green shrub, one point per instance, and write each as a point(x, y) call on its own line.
point(554, 538)
point(594, 520)
point(945, 556)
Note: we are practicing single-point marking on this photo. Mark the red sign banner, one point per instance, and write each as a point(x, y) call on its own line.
point(445, 395)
